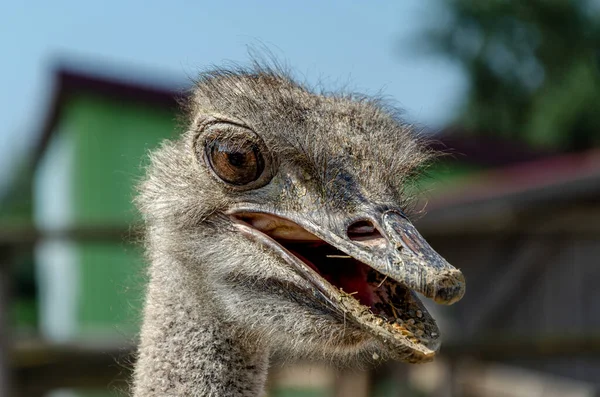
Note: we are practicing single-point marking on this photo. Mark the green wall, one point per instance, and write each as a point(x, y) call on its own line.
point(112, 139)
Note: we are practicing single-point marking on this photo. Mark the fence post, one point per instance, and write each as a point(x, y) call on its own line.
point(5, 283)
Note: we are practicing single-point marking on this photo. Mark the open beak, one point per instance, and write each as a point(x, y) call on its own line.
point(367, 267)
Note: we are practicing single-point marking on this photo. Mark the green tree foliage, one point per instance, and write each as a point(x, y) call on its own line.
point(16, 211)
point(533, 67)
point(16, 207)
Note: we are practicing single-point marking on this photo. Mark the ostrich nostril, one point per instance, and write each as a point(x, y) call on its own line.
point(363, 230)
point(360, 228)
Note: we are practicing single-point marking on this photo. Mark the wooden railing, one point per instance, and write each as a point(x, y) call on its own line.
point(20, 373)
point(32, 367)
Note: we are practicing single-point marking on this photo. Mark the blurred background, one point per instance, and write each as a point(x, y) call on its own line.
point(508, 90)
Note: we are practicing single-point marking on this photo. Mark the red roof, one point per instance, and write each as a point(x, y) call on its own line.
point(556, 178)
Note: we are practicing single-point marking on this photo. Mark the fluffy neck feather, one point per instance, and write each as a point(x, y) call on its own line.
point(186, 350)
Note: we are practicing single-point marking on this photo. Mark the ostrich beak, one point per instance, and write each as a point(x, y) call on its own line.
point(379, 259)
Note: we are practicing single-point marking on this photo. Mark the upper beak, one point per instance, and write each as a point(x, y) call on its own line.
point(401, 254)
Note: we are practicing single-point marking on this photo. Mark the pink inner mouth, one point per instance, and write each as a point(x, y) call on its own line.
point(339, 269)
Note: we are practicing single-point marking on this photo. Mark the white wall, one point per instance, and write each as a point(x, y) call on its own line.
point(57, 270)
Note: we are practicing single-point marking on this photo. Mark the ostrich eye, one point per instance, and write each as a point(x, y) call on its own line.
point(235, 155)
point(237, 163)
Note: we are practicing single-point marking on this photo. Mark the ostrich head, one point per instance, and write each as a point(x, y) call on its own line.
point(286, 211)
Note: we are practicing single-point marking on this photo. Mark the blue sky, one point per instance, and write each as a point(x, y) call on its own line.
point(361, 45)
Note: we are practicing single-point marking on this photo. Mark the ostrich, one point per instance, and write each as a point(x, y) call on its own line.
point(276, 224)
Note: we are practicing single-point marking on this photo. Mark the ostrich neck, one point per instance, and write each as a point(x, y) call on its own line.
point(186, 350)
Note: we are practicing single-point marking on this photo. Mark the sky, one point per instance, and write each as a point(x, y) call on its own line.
point(365, 46)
